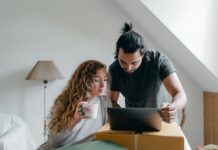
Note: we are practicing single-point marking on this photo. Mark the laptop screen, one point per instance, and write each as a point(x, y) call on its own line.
point(136, 119)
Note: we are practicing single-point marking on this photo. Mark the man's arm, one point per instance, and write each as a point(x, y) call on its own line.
point(179, 99)
point(176, 90)
point(114, 95)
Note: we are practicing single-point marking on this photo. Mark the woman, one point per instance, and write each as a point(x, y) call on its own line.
point(68, 126)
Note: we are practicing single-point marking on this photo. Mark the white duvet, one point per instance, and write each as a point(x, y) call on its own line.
point(14, 134)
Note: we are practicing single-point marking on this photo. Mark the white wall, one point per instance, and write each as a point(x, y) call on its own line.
point(194, 127)
point(193, 22)
point(67, 32)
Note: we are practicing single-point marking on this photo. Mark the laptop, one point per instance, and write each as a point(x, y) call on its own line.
point(136, 119)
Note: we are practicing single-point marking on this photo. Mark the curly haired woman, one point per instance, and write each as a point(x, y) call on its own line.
point(67, 125)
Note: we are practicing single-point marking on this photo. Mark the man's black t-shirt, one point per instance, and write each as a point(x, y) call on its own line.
point(143, 87)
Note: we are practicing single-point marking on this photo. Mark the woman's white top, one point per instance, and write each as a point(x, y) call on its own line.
point(85, 129)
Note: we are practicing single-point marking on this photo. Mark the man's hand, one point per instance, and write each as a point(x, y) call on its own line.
point(168, 112)
point(114, 104)
point(114, 95)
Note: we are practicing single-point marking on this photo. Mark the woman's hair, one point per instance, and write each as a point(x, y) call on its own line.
point(78, 88)
point(130, 41)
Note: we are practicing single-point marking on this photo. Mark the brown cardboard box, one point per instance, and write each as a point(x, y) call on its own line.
point(169, 138)
point(123, 138)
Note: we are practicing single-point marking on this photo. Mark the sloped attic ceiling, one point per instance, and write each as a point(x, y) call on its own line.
point(172, 46)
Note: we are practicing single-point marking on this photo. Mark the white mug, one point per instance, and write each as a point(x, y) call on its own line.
point(90, 110)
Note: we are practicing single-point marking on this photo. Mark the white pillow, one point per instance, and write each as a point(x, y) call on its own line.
point(6, 123)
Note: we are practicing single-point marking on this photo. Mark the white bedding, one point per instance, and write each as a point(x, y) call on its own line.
point(14, 134)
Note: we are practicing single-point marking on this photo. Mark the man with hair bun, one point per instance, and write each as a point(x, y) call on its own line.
point(146, 78)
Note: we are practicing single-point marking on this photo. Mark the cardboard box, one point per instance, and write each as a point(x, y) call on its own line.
point(169, 138)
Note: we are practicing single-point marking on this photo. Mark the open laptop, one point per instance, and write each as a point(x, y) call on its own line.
point(136, 119)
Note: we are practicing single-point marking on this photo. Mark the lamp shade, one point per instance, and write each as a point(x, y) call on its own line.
point(45, 70)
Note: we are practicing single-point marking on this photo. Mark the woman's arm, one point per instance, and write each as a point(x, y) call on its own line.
point(58, 139)
point(78, 116)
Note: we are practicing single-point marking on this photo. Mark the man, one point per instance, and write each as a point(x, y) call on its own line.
point(146, 78)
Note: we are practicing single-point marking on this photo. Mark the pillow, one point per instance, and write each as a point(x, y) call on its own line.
point(5, 123)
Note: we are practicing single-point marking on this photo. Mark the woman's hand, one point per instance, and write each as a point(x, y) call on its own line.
point(78, 115)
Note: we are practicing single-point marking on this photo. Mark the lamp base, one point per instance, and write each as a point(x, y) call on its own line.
point(45, 122)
